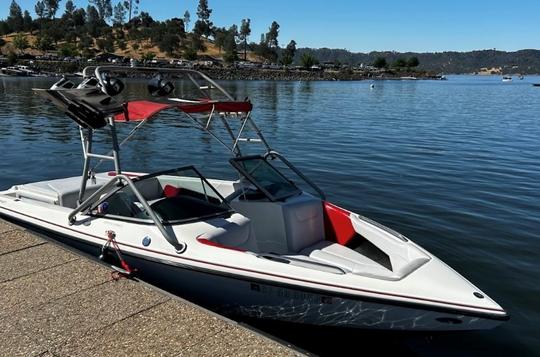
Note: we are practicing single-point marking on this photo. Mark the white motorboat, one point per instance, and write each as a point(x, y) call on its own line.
point(259, 246)
point(507, 79)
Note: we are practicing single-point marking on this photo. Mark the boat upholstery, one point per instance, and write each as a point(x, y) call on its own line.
point(347, 259)
point(284, 227)
point(304, 223)
point(236, 232)
point(404, 257)
point(62, 192)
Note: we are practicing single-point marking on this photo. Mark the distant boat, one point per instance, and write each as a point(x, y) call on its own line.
point(536, 84)
point(18, 71)
point(409, 78)
point(507, 79)
point(521, 77)
point(13, 71)
point(439, 77)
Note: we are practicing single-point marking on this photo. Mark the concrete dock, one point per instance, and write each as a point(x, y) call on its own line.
point(54, 302)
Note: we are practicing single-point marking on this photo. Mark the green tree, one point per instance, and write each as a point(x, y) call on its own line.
point(11, 58)
point(399, 63)
point(15, 19)
point(20, 42)
point(121, 44)
point(68, 50)
point(196, 43)
point(27, 21)
point(380, 62)
point(51, 7)
point(413, 62)
point(288, 54)
point(230, 47)
point(187, 19)
point(203, 26)
point(43, 43)
point(4, 28)
point(169, 43)
point(148, 56)
point(272, 35)
point(85, 42)
point(308, 60)
point(264, 51)
point(245, 31)
point(70, 8)
point(105, 44)
point(93, 21)
point(104, 8)
point(120, 13)
point(190, 54)
point(79, 18)
point(40, 9)
point(220, 34)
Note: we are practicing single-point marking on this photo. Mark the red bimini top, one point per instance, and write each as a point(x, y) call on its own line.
point(140, 110)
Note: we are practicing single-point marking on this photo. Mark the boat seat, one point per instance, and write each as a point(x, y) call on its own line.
point(347, 259)
point(355, 263)
point(284, 227)
point(235, 233)
point(63, 192)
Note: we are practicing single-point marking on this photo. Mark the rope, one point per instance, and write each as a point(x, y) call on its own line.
point(124, 271)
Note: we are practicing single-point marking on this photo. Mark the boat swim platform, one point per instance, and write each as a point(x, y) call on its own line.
point(55, 302)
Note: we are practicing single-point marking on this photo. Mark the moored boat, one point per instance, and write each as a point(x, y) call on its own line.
point(258, 246)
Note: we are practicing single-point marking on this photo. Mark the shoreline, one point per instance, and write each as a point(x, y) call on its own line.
point(56, 69)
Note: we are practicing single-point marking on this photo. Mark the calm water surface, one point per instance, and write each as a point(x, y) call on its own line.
point(453, 165)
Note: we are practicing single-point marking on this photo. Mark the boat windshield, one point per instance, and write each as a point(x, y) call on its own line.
point(265, 177)
point(176, 196)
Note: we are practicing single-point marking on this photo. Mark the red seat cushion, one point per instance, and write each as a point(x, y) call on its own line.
point(171, 191)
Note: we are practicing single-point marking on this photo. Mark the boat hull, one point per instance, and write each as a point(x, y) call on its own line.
point(235, 295)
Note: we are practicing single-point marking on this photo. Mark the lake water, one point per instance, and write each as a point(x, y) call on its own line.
point(453, 165)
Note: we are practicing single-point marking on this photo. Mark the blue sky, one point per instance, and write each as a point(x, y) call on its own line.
point(363, 26)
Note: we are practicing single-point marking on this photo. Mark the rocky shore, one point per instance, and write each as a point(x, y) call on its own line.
point(305, 75)
point(226, 73)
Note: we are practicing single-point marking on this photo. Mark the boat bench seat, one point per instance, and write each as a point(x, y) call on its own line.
point(62, 192)
point(236, 232)
point(355, 263)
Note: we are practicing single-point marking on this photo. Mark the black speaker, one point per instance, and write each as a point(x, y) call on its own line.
point(112, 86)
point(158, 87)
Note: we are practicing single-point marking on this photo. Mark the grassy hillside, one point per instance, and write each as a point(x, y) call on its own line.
point(132, 51)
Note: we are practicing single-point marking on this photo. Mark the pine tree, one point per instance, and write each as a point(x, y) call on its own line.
point(70, 8)
point(245, 31)
point(230, 47)
point(119, 14)
point(40, 9)
point(104, 8)
point(15, 19)
point(27, 21)
point(51, 7)
point(203, 26)
point(272, 35)
point(288, 54)
point(187, 20)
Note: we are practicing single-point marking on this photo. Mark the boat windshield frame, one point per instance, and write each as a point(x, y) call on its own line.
point(223, 202)
point(248, 174)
